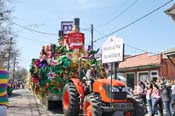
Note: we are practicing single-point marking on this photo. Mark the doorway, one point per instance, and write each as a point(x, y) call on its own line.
point(130, 80)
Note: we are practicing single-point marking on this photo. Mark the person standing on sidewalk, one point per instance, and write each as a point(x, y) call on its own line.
point(149, 97)
point(173, 99)
point(158, 100)
point(4, 77)
point(166, 98)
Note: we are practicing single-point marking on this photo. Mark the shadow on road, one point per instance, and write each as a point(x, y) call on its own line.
point(56, 107)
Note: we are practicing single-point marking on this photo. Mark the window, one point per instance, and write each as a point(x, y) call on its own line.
point(154, 75)
point(143, 76)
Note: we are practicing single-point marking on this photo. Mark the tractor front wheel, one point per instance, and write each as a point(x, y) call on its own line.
point(91, 106)
point(70, 100)
point(139, 106)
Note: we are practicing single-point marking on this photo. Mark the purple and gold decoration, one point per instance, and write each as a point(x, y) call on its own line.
point(4, 78)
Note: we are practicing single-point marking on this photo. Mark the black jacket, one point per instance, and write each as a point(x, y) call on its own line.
point(166, 94)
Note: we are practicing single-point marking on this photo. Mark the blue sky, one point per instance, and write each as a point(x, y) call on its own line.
point(154, 33)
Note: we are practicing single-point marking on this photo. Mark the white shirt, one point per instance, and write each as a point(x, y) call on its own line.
point(173, 89)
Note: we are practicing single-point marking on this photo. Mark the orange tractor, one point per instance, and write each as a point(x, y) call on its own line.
point(106, 97)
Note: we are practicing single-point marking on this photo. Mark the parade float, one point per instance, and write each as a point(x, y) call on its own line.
point(57, 64)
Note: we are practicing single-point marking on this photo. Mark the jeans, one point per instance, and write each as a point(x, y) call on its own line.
point(155, 109)
point(158, 102)
point(3, 111)
point(166, 105)
point(172, 105)
point(149, 102)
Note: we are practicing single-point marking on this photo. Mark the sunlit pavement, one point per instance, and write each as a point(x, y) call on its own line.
point(23, 103)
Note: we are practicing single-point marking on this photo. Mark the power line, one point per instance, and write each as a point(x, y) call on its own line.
point(85, 29)
point(120, 14)
point(34, 40)
point(135, 21)
point(125, 43)
point(36, 31)
point(98, 31)
point(138, 48)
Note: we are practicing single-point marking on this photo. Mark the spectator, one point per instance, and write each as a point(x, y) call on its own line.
point(173, 98)
point(149, 98)
point(141, 91)
point(158, 100)
point(166, 98)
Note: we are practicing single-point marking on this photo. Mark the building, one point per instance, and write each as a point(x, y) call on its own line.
point(169, 58)
point(171, 12)
point(147, 67)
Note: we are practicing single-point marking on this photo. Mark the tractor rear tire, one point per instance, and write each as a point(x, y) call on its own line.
point(91, 106)
point(139, 106)
point(70, 100)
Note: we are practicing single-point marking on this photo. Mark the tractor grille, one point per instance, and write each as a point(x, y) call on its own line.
point(116, 95)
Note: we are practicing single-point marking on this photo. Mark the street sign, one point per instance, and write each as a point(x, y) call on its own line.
point(112, 50)
point(66, 26)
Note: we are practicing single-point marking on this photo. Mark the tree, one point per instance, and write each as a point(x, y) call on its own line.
point(21, 74)
point(7, 43)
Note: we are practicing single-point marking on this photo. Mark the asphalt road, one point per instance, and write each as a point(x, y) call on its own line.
point(23, 103)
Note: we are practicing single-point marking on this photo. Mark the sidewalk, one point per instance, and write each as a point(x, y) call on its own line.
point(23, 103)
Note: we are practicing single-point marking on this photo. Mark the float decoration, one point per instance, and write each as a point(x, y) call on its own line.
point(58, 63)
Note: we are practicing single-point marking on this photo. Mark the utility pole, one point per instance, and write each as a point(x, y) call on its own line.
point(9, 53)
point(14, 65)
point(92, 37)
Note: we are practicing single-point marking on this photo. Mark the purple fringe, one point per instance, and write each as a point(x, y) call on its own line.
point(3, 72)
point(3, 85)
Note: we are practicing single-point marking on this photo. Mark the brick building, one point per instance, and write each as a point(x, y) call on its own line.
point(148, 67)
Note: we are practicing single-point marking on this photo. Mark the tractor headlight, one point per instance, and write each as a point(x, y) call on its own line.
point(115, 89)
point(119, 89)
point(124, 89)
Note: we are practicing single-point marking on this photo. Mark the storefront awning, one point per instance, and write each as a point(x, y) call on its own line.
point(139, 68)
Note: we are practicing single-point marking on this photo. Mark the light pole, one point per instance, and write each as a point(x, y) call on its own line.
point(92, 36)
point(14, 66)
point(9, 53)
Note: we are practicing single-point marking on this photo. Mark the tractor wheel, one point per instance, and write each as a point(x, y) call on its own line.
point(70, 100)
point(139, 106)
point(91, 106)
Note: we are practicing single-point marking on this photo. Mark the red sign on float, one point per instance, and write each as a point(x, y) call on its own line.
point(75, 40)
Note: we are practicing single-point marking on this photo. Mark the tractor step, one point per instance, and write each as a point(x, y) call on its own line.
point(119, 107)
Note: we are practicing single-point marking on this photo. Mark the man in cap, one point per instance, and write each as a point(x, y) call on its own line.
point(91, 75)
